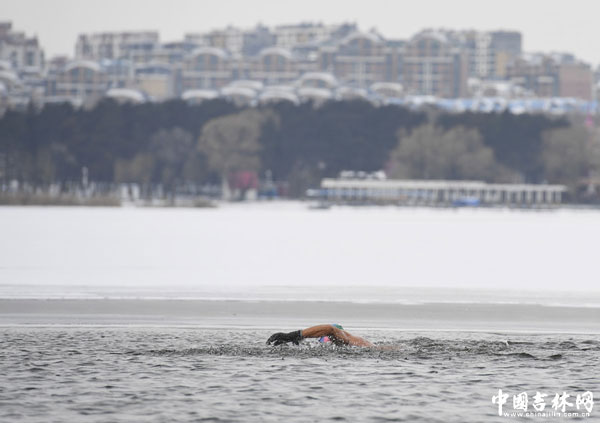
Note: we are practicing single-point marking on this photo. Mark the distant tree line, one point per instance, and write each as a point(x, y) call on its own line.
point(174, 143)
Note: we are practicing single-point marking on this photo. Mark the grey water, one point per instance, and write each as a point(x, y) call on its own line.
point(160, 374)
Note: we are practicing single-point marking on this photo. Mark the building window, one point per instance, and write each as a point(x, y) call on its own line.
point(30, 58)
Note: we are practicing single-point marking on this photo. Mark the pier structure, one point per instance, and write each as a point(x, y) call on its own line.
point(437, 193)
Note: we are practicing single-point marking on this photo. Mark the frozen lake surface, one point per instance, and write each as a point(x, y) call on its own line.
point(286, 251)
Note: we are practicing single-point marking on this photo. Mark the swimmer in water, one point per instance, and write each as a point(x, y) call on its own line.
point(334, 333)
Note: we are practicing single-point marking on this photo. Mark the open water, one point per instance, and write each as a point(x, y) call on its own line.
point(120, 374)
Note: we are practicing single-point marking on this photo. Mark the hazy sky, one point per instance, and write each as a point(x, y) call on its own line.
point(547, 25)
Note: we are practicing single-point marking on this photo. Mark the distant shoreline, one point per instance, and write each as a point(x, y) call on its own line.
point(204, 203)
point(45, 200)
point(57, 200)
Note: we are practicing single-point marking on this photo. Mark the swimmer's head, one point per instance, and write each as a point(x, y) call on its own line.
point(328, 339)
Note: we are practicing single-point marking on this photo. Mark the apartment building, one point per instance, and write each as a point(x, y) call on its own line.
point(82, 82)
point(14, 92)
point(158, 81)
point(535, 73)
point(360, 59)
point(575, 80)
point(275, 66)
point(257, 39)
point(433, 66)
point(207, 68)
point(22, 65)
point(21, 52)
point(230, 39)
point(247, 42)
point(215, 59)
point(172, 53)
point(505, 46)
point(293, 63)
point(489, 52)
point(289, 36)
point(552, 75)
point(135, 46)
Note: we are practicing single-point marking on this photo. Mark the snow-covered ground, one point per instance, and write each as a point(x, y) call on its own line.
point(286, 251)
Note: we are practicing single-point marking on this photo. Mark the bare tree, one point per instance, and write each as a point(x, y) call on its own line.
point(139, 169)
point(171, 149)
point(231, 143)
point(570, 154)
point(430, 152)
point(168, 161)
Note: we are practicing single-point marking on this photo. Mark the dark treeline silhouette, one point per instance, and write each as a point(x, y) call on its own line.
point(309, 143)
point(175, 143)
point(53, 145)
point(516, 140)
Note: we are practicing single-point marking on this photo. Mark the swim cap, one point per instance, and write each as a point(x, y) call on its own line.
point(328, 339)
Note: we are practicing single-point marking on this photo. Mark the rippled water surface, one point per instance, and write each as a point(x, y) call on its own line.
point(123, 374)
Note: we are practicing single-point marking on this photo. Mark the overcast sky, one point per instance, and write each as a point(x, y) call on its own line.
point(547, 25)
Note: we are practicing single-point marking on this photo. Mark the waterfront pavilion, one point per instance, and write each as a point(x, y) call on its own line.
point(438, 192)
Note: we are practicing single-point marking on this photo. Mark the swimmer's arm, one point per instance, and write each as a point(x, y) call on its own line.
point(335, 333)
